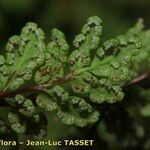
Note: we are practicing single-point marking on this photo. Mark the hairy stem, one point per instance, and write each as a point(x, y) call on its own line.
point(139, 79)
point(39, 87)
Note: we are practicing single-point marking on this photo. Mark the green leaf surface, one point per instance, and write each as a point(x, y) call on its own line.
point(22, 57)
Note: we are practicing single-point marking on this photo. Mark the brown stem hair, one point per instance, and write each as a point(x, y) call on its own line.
point(39, 87)
point(60, 80)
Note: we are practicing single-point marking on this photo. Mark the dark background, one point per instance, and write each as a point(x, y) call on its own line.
point(70, 15)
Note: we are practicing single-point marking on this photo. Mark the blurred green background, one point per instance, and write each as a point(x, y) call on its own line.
point(69, 16)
